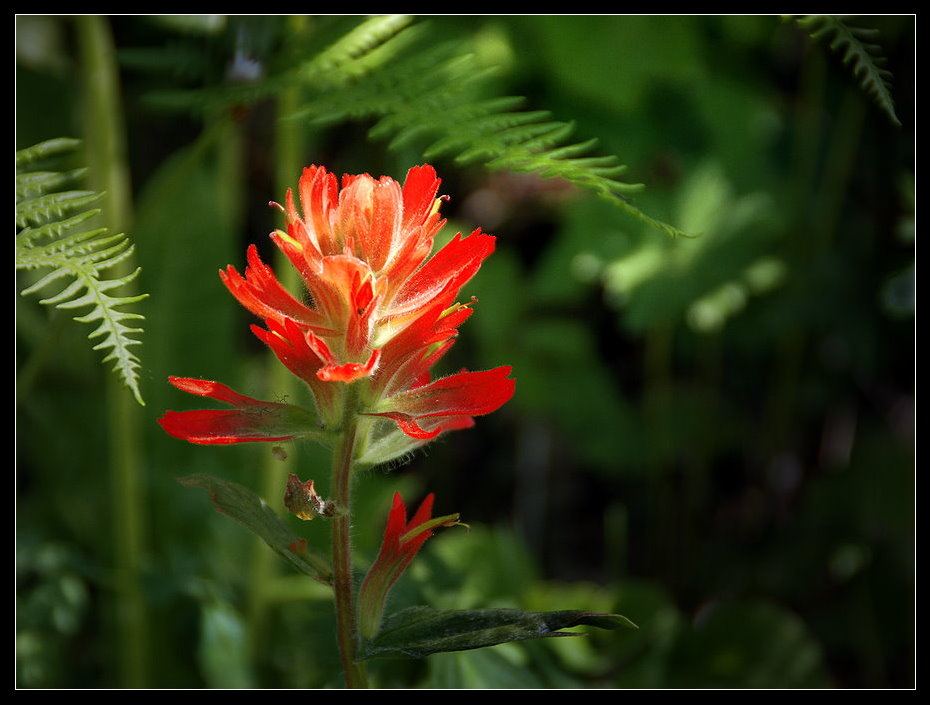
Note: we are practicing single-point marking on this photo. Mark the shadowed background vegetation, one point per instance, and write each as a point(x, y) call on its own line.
point(712, 434)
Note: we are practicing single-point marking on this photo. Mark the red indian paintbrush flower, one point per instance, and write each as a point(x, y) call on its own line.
point(402, 541)
point(382, 312)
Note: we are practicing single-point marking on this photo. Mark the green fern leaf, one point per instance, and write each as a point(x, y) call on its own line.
point(858, 51)
point(54, 229)
point(44, 150)
point(36, 183)
point(52, 206)
point(431, 95)
point(46, 239)
point(356, 52)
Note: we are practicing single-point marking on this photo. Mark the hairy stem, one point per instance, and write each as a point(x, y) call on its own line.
point(343, 582)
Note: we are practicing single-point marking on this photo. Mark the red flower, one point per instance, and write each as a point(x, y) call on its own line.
point(402, 541)
point(381, 311)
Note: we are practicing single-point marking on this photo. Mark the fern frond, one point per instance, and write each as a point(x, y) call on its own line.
point(358, 51)
point(858, 51)
point(47, 239)
point(431, 96)
point(361, 49)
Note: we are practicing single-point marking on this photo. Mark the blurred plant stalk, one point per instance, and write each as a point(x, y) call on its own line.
point(105, 143)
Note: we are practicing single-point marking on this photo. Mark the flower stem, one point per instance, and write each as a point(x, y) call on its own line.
point(343, 582)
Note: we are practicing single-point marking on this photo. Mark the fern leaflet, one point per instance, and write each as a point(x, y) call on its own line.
point(859, 52)
point(46, 238)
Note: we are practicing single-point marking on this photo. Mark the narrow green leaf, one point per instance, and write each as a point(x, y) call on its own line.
point(420, 631)
point(35, 183)
point(45, 149)
point(243, 505)
point(191, 24)
point(38, 211)
point(29, 236)
point(374, 32)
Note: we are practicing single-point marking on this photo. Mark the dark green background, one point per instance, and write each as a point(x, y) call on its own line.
point(713, 436)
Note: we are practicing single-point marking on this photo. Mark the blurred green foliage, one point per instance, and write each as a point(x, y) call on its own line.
point(711, 435)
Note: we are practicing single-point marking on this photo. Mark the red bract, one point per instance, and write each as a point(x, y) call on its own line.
point(402, 541)
point(252, 420)
point(381, 312)
point(426, 410)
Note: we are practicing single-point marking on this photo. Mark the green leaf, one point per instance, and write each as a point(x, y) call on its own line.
point(35, 183)
point(335, 63)
point(43, 150)
point(420, 631)
point(243, 505)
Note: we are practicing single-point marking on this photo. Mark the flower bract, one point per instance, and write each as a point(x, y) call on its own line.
point(402, 541)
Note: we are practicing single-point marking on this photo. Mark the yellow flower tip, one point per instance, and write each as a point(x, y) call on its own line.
point(288, 239)
point(435, 523)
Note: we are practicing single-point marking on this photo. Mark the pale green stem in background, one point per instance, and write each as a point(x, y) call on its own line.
point(289, 160)
point(839, 166)
point(820, 200)
point(789, 349)
point(46, 348)
point(264, 565)
point(106, 156)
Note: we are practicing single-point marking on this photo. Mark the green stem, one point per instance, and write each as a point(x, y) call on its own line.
point(106, 157)
point(343, 581)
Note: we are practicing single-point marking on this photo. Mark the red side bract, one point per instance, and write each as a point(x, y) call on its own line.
point(423, 412)
point(252, 420)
